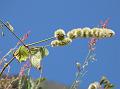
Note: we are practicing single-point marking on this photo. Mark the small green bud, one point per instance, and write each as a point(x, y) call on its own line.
point(78, 65)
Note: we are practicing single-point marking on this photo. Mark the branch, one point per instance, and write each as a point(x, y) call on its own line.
point(6, 65)
point(34, 43)
point(80, 72)
point(12, 32)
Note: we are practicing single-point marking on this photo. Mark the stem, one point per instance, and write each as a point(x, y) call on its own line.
point(5, 66)
point(2, 59)
point(81, 70)
point(41, 70)
point(86, 60)
point(47, 45)
point(12, 32)
point(38, 42)
point(74, 83)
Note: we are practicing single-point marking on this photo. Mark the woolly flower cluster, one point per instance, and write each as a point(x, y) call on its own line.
point(61, 40)
point(87, 33)
point(59, 34)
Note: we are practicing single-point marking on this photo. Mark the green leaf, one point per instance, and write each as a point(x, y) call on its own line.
point(9, 26)
point(37, 54)
point(21, 54)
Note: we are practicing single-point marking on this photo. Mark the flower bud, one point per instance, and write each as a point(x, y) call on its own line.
point(54, 43)
point(79, 32)
point(72, 34)
point(95, 32)
point(59, 34)
point(64, 42)
point(78, 65)
point(86, 32)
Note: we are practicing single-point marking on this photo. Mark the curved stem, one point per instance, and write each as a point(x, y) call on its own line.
point(5, 66)
point(38, 42)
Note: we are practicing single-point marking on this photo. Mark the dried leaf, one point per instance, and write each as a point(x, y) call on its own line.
point(37, 54)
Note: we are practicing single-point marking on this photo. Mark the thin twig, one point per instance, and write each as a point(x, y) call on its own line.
point(81, 69)
point(5, 66)
point(34, 43)
point(74, 83)
point(12, 49)
point(12, 32)
point(1, 61)
point(86, 60)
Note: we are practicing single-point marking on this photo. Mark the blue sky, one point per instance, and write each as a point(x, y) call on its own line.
point(43, 17)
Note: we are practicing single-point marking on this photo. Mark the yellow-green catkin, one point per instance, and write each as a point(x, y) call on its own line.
point(95, 32)
point(102, 32)
point(55, 43)
point(86, 32)
point(72, 34)
point(59, 34)
point(79, 32)
point(64, 42)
